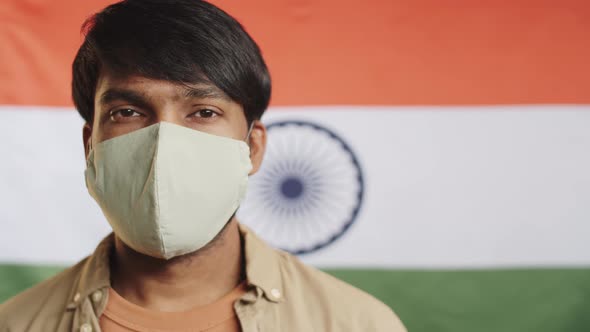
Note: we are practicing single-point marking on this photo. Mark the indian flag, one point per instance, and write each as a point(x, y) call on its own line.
point(435, 154)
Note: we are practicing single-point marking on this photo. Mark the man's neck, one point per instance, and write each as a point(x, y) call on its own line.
point(180, 283)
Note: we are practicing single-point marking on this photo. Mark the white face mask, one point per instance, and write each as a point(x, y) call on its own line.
point(168, 190)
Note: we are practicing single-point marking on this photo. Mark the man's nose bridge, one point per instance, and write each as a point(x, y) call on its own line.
point(169, 112)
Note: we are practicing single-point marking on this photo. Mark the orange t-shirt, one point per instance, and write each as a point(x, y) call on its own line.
point(121, 315)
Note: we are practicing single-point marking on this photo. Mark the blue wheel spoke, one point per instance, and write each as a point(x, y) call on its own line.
point(308, 190)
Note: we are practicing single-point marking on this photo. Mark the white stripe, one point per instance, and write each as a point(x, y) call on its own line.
point(46, 213)
point(446, 186)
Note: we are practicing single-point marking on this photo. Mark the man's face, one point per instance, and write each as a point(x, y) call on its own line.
point(125, 104)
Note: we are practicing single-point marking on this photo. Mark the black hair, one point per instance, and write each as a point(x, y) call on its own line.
point(183, 41)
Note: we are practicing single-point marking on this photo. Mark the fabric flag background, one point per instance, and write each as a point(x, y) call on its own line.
point(447, 149)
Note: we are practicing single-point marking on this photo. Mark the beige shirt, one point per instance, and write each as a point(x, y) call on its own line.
point(284, 295)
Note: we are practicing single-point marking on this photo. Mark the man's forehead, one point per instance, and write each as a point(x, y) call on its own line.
point(110, 85)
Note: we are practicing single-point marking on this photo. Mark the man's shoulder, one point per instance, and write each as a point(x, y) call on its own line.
point(334, 298)
point(46, 301)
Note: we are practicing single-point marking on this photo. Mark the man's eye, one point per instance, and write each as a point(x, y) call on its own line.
point(124, 113)
point(205, 113)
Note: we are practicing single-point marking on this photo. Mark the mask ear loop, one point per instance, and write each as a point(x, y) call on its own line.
point(89, 147)
point(248, 138)
point(249, 131)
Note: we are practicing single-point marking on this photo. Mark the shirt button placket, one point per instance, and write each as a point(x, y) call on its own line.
point(275, 293)
point(97, 296)
point(85, 328)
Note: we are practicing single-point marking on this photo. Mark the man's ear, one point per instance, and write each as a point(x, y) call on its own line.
point(86, 134)
point(257, 142)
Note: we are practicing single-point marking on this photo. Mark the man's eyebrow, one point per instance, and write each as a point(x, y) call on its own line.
point(130, 96)
point(205, 91)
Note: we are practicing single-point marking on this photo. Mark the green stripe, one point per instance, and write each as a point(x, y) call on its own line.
point(540, 300)
point(551, 300)
point(15, 278)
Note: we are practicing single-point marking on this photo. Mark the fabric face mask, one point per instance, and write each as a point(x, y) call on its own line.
point(168, 190)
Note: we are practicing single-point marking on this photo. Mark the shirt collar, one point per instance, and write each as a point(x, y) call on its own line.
point(262, 267)
point(96, 272)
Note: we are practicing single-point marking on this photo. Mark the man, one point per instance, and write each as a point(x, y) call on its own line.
point(172, 93)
